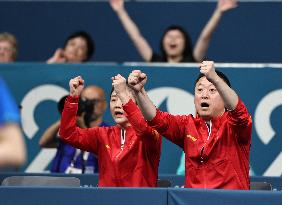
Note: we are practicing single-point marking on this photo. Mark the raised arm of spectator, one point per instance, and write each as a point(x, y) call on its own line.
point(49, 139)
point(203, 41)
point(132, 30)
point(229, 96)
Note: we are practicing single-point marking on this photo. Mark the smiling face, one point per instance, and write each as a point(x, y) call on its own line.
point(76, 50)
point(6, 52)
point(207, 100)
point(174, 43)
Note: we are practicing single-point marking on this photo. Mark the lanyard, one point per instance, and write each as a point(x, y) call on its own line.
point(209, 126)
point(122, 138)
point(77, 153)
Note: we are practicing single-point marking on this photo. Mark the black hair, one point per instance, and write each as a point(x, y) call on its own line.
point(112, 90)
point(220, 74)
point(188, 50)
point(89, 42)
point(61, 104)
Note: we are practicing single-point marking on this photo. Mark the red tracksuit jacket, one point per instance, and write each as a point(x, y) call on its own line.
point(134, 165)
point(219, 161)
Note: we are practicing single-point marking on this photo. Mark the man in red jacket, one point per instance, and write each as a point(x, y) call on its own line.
point(128, 154)
point(216, 141)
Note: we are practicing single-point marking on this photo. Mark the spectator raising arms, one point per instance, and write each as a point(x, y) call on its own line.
point(68, 159)
point(175, 44)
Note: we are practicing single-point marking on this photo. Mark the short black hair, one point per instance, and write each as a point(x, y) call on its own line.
point(61, 104)
point(220, 74)
point(89, 42)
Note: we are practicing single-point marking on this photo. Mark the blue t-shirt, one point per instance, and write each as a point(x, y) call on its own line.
point(9, 111)
point(67, 153)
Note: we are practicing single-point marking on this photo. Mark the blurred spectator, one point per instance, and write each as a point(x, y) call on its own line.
point(175, 44)
point(69, 159)
point(12, 147)
point(78, 48)
point(8, 48)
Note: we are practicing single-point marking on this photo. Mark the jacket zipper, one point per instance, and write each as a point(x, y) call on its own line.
point(202, 152)
point(122, 142)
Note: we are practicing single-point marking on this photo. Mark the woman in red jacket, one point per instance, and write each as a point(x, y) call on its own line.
point(128, 155)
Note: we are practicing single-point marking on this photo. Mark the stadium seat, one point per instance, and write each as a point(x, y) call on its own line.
point(163, 183)
point(41, 181)
point(260, 186)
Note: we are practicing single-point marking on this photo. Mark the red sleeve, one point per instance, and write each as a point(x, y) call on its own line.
point(170, 126)
point(149, 135)
point(84, 139)
point(241, 121)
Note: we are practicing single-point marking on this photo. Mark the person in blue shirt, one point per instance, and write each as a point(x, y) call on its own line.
point(12, 146)
point(69, 159)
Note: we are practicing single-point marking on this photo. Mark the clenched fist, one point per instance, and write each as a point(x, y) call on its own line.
point(76, 86)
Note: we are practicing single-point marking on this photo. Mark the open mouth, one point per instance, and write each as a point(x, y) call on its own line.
point(172, 46)
point(118, 113)
point(204, 105)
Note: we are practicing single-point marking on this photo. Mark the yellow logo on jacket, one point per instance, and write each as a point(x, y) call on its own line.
point(191, 138)
point(107, 146)
point(155, 134)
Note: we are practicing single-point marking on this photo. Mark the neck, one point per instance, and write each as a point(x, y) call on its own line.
point(124, 125)
point(97, 122)
point(174, 59)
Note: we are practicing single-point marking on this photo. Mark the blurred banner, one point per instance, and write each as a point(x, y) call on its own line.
point(38, 87)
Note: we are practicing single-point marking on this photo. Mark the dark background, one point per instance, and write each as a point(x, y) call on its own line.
point(250, 33)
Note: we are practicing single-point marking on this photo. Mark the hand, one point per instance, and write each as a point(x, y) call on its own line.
point(119, 84)
point(76, 86)
point(137, 80)
point(117, 4)
point(207, 68)
point(224, 5)
point(58, 57)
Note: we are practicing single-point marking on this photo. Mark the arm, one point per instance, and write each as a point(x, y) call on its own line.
point(166, 124)
point(229, 96)
point(133, 113)
point(238, 115)
point(49, 139)
point(203, 41)
point(85, 139)
point(132, 30)
point(147, 134)
point(12, 147)
point(136, 81)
